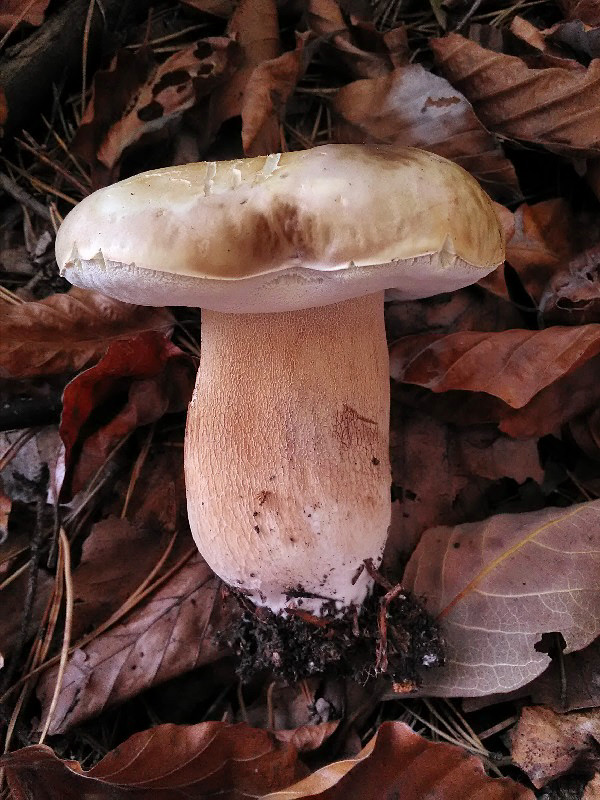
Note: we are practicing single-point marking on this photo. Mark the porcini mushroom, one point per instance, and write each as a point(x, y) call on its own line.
point(286, 455)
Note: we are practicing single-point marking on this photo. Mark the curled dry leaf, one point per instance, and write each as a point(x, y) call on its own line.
point(413, 107)
point(496, 586)
point(398, 762)
point(146, 377)
point(546, 745)
point(341, 43)
point(168, 633)
point(553, 107)
point(168, 762)
point(307, 737)
point(268, 89)
point(15, 12)
point(530, 372)
point(136, 97)
point(66, 332)
point(254, 28)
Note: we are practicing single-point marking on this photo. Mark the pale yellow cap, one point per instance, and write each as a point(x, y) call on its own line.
point(285, 231)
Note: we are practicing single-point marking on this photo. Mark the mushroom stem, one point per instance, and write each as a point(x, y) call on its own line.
point(287, 452)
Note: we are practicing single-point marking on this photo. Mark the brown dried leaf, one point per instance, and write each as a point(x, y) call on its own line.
point(398, 762)
point(413, 107)
point(255, 29)
point(171, 632)
point(587, 11)
point(307, 737)
point(496, 586)
point(219, 8)
point(553, 107)
point(341, 43)
point(12, 603)
point(155, 376)
point(18, 11)
point(572, 296)
point(117, 556)
point(467, 461)
point(546, 745)
point(268, 89)
point(136, 97)
point(168, 762)
point(66, 332)
point(21, 477)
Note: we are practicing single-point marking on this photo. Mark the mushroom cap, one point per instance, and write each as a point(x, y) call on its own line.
point(285, 231)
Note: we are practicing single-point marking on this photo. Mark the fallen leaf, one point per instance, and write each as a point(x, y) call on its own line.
point(553, 107)
point(546, 745)
point(467, 460)
point(168, 762)
point(136, 97)
point(144, 377)
point(587, 11)
point(170, 632)
point(12, 603)
point(22, 476)
point(412, 107)
point(268, 89)
point(5, 508)
point(116, 557)
point(540, 244)
point(577, 37)
point(398, 762)
point(66, 332)
point(496, 586)
point(15, 12)
point(572, 295)
point(307, 737)
point(254, 27)
point(339, 41)
point(220, 8)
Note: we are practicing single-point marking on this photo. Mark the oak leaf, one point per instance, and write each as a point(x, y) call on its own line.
point(168, 762)
point(553, 107)
point(168, 633)
point(412, 107)
point(497, 586)
point(66, 332)
point(397, 762)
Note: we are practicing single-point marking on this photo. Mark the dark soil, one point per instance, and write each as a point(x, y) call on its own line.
point(398, 642)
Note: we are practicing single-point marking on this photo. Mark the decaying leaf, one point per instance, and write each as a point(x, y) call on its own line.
point(496, 586)
point(554, 107)
point(136, 97)
point(268, 89)
point(587, 11)
point(168, 762)
point(12, 603)
point(40, 457)
point(145, 377)
point(414, 108)
point(398, 762)
point(307, 737)
point(66, 332)
point(15, 12)
point(343, 44)
point(549, 371)
point(546, 745)
point(467, 461)
point(171, 632)
point(572, 295)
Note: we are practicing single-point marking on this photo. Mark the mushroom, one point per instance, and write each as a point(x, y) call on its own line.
point(286, 452)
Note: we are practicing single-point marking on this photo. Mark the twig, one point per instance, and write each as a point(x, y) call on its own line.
point(21, 196)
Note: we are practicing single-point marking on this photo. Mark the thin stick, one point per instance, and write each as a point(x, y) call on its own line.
point(21, 196)
point(65, 547)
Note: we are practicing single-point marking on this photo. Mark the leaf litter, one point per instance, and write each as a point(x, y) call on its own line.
point(495, 425)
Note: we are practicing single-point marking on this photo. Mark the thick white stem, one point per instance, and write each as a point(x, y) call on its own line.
point(287, 465)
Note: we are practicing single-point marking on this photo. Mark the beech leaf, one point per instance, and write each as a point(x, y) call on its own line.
point(414, 108)
point(170, 632)
point(554, 107)
point(168, 762)
point(496, 586)
point(547, 745)
point(12, 11)
point(66, 332)
point(397, 762)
